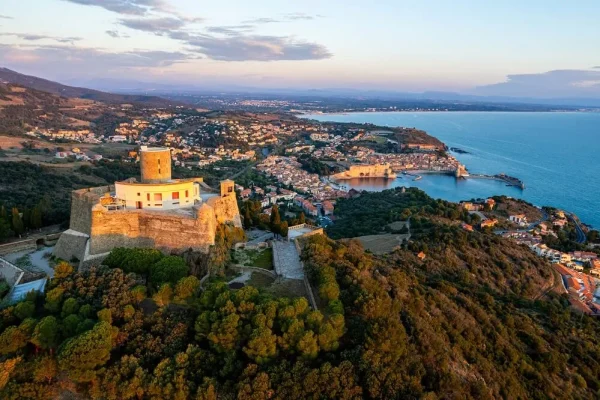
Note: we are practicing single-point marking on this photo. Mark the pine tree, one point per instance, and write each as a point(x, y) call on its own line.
point(27, 218)
point(17, 222)
point(247, 218)
point(302, 218)
point(36, 217)
point(275, 220)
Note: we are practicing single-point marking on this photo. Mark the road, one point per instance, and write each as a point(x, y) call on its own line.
point(581, 237)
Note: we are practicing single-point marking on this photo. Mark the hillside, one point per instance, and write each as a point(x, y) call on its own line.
point(32, 82)
point(393, 326)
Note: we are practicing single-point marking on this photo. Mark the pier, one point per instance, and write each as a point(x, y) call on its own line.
point(509, 180)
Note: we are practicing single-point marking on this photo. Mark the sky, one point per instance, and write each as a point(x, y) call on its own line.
point(530, 48)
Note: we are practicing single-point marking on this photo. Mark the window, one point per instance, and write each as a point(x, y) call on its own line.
point(187, 193)
point(138, 194)
point(230, 189)
point(175, 195)
point(159, 161)
point(148, 197)
point(157, 196)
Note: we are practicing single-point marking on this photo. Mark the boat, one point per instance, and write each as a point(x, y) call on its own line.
point(417, 178)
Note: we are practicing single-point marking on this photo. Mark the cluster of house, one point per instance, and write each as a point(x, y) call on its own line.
point(78, 154)
point(288, 171)
point(272, 195)
point(74, 135)
point(581, 288)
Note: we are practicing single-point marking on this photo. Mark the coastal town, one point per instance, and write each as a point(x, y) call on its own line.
point(305, 166)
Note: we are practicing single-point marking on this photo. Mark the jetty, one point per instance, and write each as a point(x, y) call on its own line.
point(509, 180)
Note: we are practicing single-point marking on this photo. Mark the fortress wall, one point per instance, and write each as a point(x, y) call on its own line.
point(82, 202)
point(226, 210)
point(71, 244)
point(161, 230)
point(361, 171)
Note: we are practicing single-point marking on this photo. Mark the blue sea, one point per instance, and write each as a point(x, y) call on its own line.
point(556, 155)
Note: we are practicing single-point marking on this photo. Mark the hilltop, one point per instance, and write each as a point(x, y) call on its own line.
point(44, 85)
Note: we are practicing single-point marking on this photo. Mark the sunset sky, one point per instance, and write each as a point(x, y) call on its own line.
point(520, 48)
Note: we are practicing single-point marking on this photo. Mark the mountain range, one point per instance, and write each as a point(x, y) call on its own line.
point(32, 82)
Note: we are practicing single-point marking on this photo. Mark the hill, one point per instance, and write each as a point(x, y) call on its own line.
point(465, 322)
point(44, 85)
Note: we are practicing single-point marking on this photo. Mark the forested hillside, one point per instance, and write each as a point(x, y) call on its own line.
point(473, 317)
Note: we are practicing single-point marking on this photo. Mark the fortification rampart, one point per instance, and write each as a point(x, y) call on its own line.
point(226, 209)
point(82, 201)
point(367, 171)
point(169, 231)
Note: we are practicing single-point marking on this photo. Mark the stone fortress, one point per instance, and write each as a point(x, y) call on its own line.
point(367, 171)
point(157, 212)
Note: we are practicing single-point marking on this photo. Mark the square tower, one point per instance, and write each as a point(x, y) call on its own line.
point(227, 188)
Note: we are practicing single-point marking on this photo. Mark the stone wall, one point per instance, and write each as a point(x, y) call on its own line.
point(82, 202)
point(71, 245)
point(167, 231)
point(367, 171)
point(226, 209)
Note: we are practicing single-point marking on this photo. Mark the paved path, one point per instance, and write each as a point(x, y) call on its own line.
point(581, 236)
point(287, 261)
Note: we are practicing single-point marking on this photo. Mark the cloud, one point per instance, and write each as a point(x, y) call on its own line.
point(59, 60)
point(128, 7)
point(558, 83)
point(301, 16)
point(154, 25)
point(253, 47)
point(116, 34)
point(297, 16)
point(36, 37)
point(5, 17)
point(230, 30)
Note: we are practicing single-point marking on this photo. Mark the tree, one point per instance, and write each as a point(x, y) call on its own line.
point(54, 299)
point(247, 217)
point(163, 296)
point(12, 339)
point(283, 229)
point(168, 270)
point(62, 270)
point(17, 222)
point(69, 307)
point(36, 217)
point(262, 345)
point(4, 229)
point(186, 288)
point(275, 220)
point(27, 218)
point(6, 368)
point(24, 309)
point(46, 333)
point(302, 218)
point(80, 355)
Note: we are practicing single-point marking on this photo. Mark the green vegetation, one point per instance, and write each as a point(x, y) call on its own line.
point(371, 213)
point(41, 194)
point(315, 166)
point(474, 319)
point(254, 258)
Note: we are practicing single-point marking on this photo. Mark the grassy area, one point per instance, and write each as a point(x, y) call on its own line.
point(381, 244)
point(259, 281)
point(254, 258)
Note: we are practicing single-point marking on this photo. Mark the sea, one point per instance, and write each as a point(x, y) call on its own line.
point(556, 155)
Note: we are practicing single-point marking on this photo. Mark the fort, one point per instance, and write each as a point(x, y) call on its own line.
point(366, 171)
point(158, 212)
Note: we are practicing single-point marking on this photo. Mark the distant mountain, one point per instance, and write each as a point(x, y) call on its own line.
point(9, 76)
